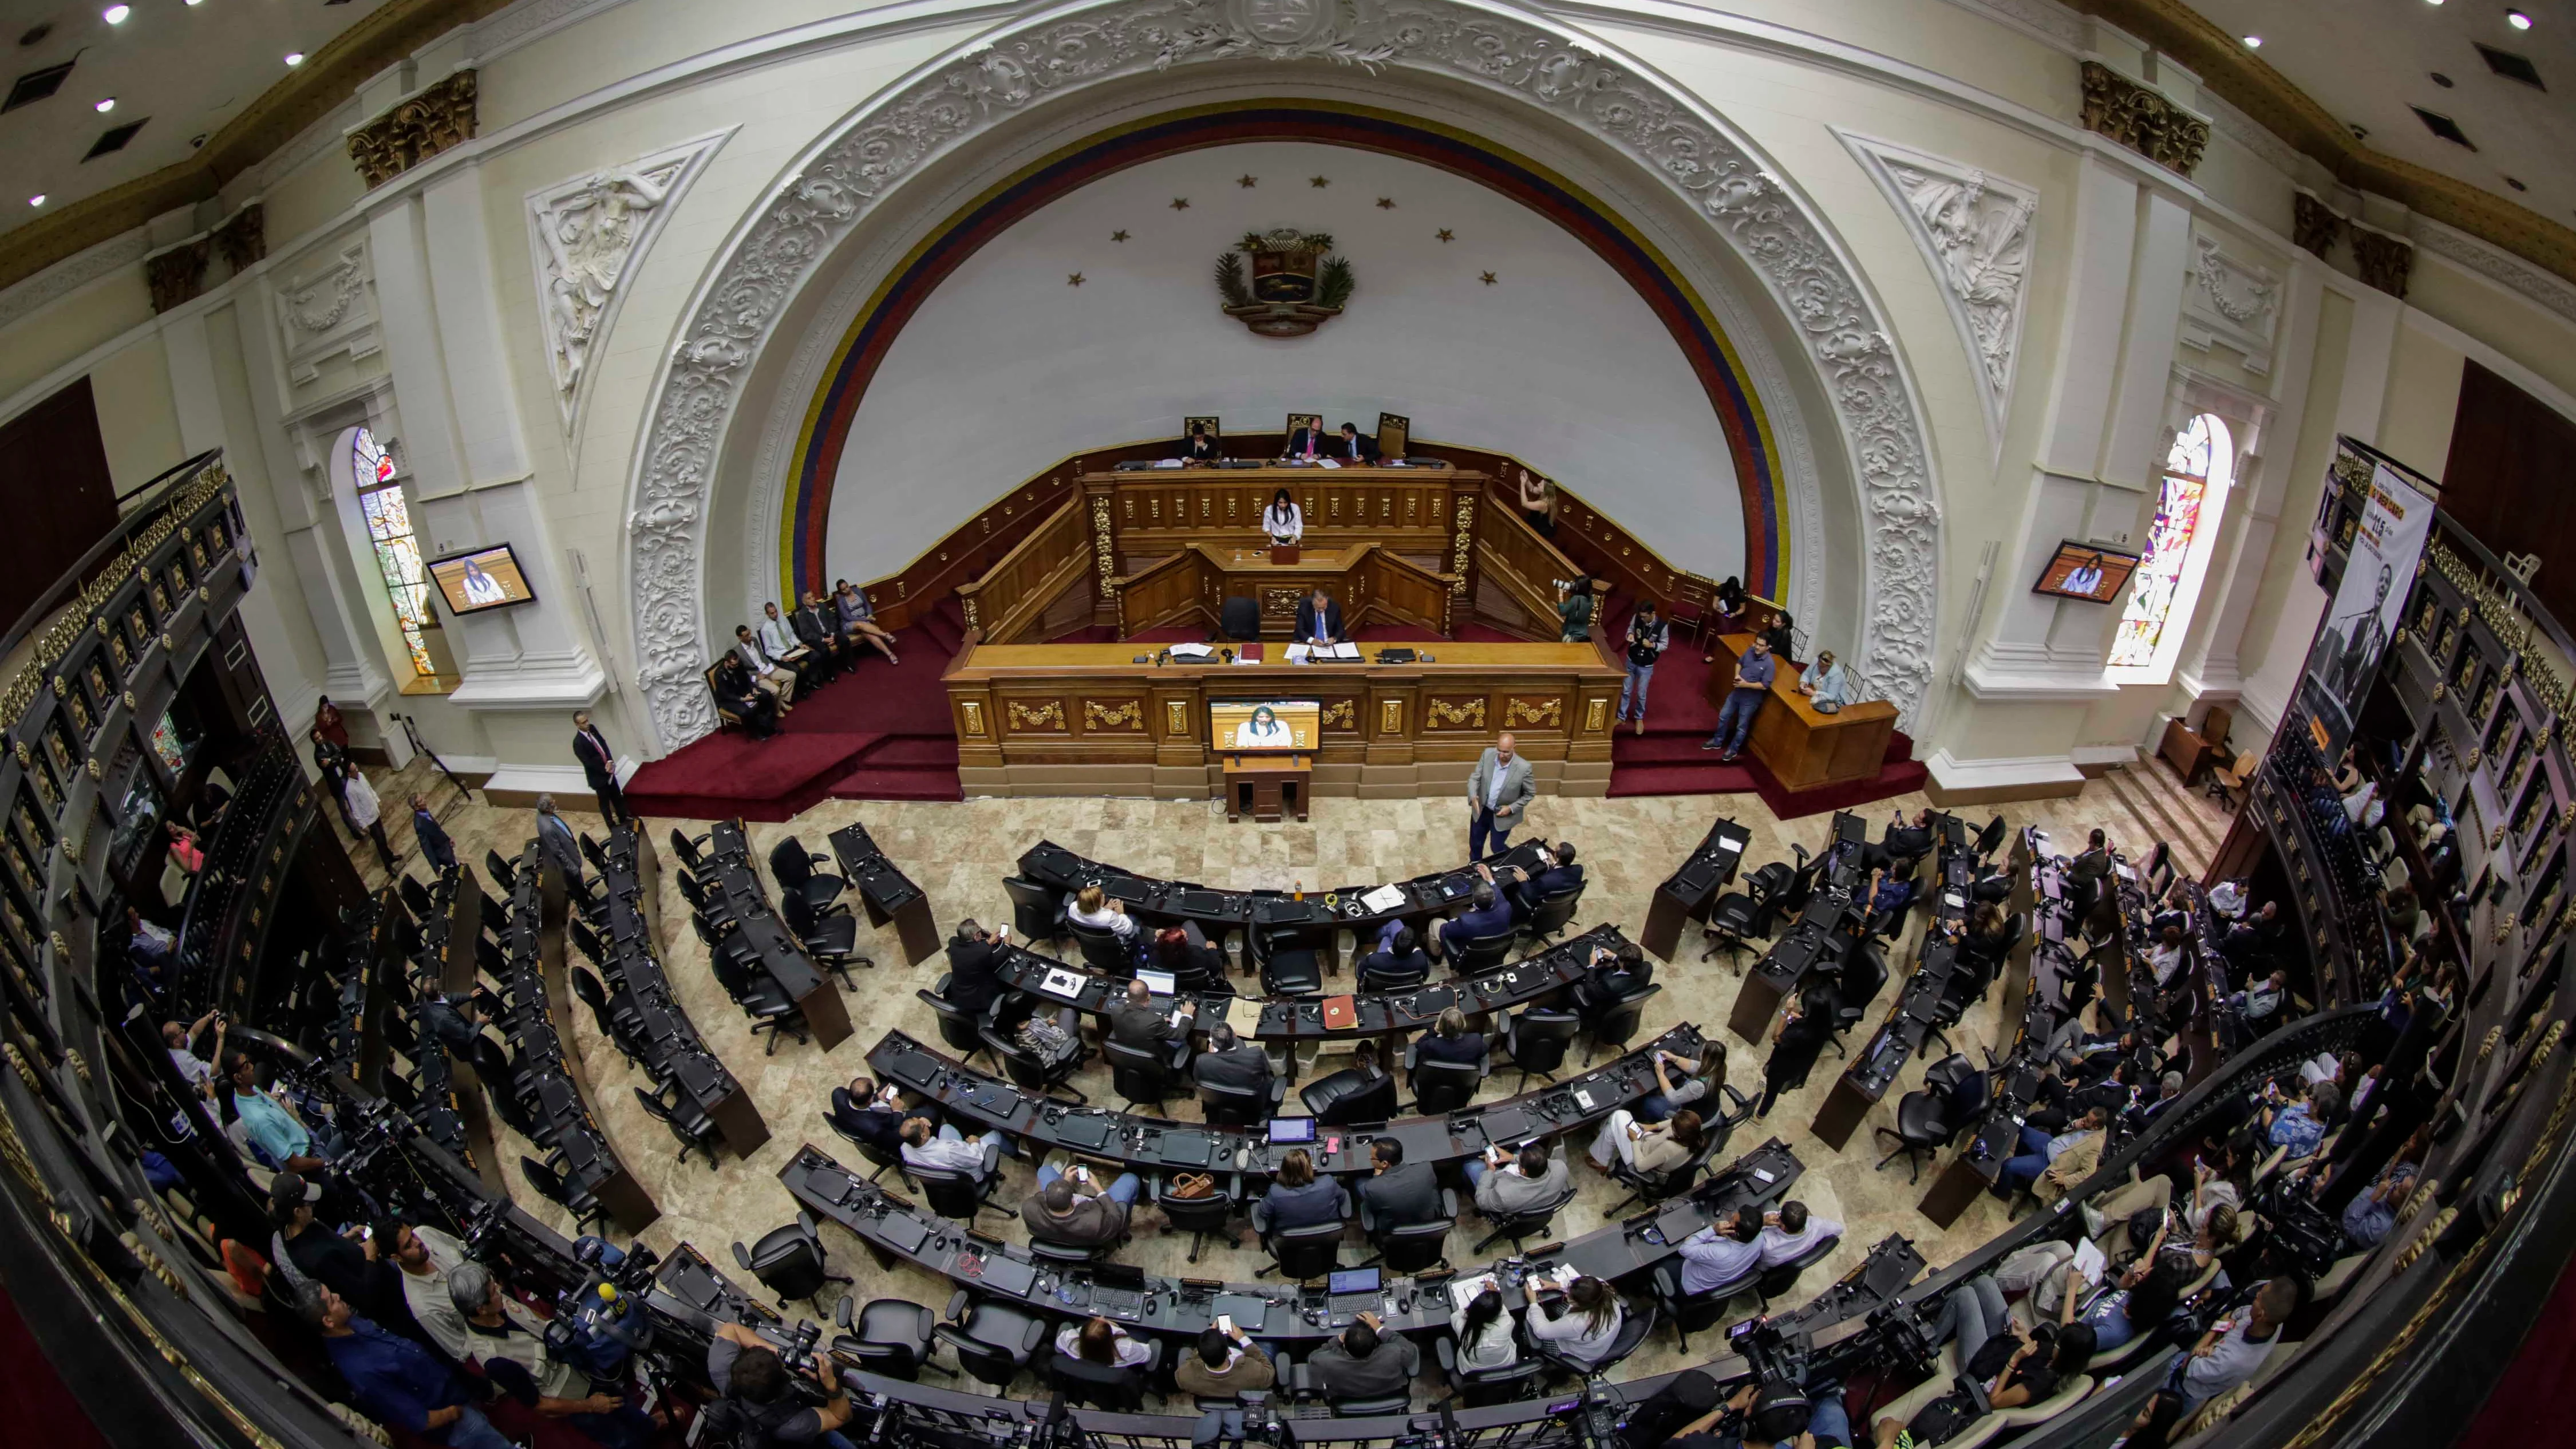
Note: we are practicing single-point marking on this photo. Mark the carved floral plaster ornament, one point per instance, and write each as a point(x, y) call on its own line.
point(589, 234)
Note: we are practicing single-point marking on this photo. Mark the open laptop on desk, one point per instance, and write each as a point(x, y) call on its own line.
point(1118, 1291)
point(1157, 983)
point(1289, 1131)
point(1352, 1292)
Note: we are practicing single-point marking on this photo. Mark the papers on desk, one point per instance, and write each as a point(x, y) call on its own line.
point(1326, 463)
point(1192, 651)
point(1953, 900)
point(1342, 653)
point(1766, 1175)
point(1463, 1291)
point(1384, 898)
point(1063, 983)
point(1583, 1098)
point(1167, 462)
point(2089, 1260)
point(1243, 1013)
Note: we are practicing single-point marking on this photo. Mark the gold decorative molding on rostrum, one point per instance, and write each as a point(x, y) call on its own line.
point(1104, 547)
point(1126, 715)
point(973, 713)
point(2142, 119)
point(1548, 712)
point(1342, 714)
point(1596, 716)
point(1463, 544)
point(434, 118)
point(1176, 717)
point(1390, 717)
point(1469, 713)
point(1048, 717)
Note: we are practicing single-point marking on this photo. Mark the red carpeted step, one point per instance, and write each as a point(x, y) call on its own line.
point(1627, 780)
point(867, 783)
point(912, 751)
point(730, 773)
point(1661, 748)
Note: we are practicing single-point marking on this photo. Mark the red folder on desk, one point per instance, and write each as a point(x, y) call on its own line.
point(1340, 1012)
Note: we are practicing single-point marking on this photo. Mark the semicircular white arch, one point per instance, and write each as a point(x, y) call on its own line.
point(1574, 78)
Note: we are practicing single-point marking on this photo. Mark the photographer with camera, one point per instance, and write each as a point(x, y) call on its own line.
point(508, 1343)
point(762, 1404)
point(1574, 610)
point(1648, 636)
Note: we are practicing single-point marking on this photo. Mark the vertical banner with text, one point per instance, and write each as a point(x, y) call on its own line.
point(2395, 523)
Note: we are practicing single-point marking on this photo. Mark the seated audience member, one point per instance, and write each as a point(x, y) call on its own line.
point(1702, 1076)
point(1097, 1340)
point(395, 1381)
point(1053, 1036)
point(778, 640)
point(185, 849)
point(1139, 1022)
point(1557, 874)
point(424, 1256)
point(2167, 958)
point(1449, 1040)
point(2220, 1361)
point(772, 678)
point(1648, 1147)
point(1722, 1252)
point(1728, 607)
point(759, 1397)
point(950, 1150)
point(2168, 1092)
point(859, 619)
point(1511, 1185)
point(1487, 914)
point(1194, 965)
point(508, 1343)
point(1793, 1231)
point(2047, 1165)
point(2140, 1300)
point(273, 1128)
point(1484, 1333)
point(181, 1040)
point(973, 956)
point(1825, 683)
point(1908, 840)
point(1092, 907)
point(1222, 1366)
point(2014, 1370)
point(1610, 975)
point(1231, 1061)
point(1298, 1198)
point(344, 1262)
point(1397, 1193)
point(2260, 1001)
point(2300, 1123)
point(737, 695)
point(2369, 1216)
point(1987, 937)
point(1365, 1362)
point(1588, 1323)
point(1399, 960)
point(818, 629)
point(870, 1113)
point(1072, 1208)
point(1886, 896)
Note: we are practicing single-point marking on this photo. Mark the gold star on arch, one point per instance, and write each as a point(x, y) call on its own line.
point(1447, 235)
point(1075, 279)
point(1247, 181)
point(1488, 278)
point(1319, 182)
point(1386, 203)
point(1119, 235)
point(1180, 203)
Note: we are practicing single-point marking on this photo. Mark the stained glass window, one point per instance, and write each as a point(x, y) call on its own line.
point(388, 516)
point(2200, 446)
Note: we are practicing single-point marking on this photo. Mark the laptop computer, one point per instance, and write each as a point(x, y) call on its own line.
point(1246, 1310)
point(1505, 1124)
point(1127, 888)
point(1157, 982)
point(1200, 903)
point(1118, 1291)
point(1352, 1291)
point(1082, 1130)
point(998, 1271)
point(1191, 1148)
point(1292, 1129)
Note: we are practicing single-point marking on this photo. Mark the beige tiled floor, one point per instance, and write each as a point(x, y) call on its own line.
point(959, 853)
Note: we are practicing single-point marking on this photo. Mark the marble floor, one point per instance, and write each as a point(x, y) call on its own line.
point(959, 853)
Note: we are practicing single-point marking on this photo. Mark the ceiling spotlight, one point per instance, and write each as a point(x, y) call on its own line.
point(115, 14)
point(2253, 42)
point(2515, 183)
point(36, 200)
point(295, 57)
point(106, 105)
point(201, 2)
point(2517, 20)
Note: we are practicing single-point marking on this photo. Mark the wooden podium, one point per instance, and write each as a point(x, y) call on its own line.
point(1283, 553)
point(1275, 784)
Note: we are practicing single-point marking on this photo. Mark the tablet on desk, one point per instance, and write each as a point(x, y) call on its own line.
point(1158, 983)
point(1292, 1129)
point(1062, 983)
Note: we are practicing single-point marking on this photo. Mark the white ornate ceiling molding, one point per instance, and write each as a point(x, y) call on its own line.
point(1974, 230)
point(1014, 68)
point(72, 273)
point(2498, 266)
point(586, 235)
point(2230, 300)
point(326, 307)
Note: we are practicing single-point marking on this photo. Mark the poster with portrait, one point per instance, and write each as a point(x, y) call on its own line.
point(2369, 603)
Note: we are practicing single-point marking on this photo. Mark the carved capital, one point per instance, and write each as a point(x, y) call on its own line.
point(2313, 224)
point(438, 116)
point(177, 275)
point(242, 241)
point(2382, 260)
point(2142, 119)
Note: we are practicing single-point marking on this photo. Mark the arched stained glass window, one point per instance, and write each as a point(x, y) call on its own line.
point(388, 515)
point(2201, 454)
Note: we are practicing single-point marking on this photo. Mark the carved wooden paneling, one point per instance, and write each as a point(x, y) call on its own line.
point(1523, 711)
point(970, 718)
point(1596, 715)
point(1453, 712)
point(1015, 594)
point(1341, 716)
point(1390, 717)
point(1113, 716)
point(1034, 716)
point(1176, 717)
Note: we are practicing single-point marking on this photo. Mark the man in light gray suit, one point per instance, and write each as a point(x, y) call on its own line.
point(1497, 793)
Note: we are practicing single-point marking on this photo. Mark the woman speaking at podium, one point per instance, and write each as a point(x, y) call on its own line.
point(1261, 732)
point(1282, 520)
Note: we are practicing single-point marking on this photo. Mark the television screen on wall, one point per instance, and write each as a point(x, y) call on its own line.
point(480, 579)
point(2086, 571)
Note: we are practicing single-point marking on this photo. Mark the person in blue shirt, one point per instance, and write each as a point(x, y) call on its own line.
point(1487, 914)
point(435, 847)
point(275, 1131)
point(394, 1380)
point(1298, 1198)
point(1752, 685)
point(2145, 1297)
point(1722, 1252)
point(1825, 683)
point(2038, 1150)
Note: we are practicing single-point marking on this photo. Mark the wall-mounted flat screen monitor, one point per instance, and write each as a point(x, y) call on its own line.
point(2086, 571)
point(1265, 724)
point(483, 578)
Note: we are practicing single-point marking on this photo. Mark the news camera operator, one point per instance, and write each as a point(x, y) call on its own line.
point(762, 1405)
point(509, 1344)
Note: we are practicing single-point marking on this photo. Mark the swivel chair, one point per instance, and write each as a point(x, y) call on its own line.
point(1116, 1388)
point(1520, 1227)
point(1614, 1024)
point(1201, 1216)
point(1691, 1312)
point(1635, 1322)
point(880, 1157)
point(1028, 1072)
point(1103, 950)
point(619, 1022)
point(1479, 1388)
point(1290, 965)
point(1864, 975)
point(1548, 917)
point(1649, 1188)
point(688, 1122)
point(1037, 911)
point(830, 937)
point(1349, 1096)
point(959, 1030)
point(893, 1337)
point(954, 1194)
point(1954, 1095)
point(581, 1202)
point(1142, 1075)
point(1476, 955)
point(993, 1341)
point(1416, 1247)
point(1302, 1253)
point(1225, 1106)
point(1443, 1087)
point(416, 898)
point(504, 872)
point(1537, 1041)
point(1779, 1278)
point(792, 866)
point(788, 1261)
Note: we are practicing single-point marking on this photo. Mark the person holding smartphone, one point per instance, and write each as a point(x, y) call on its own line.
point(1223, 1363)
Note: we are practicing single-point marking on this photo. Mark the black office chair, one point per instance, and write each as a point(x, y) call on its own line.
point(1349, 1096)
point(1403, 976)
point(1739, 918)
point(591, 851)
point(1142, 1075)
point(1991, 839)
point(1241, 619)
point(1636, 1320)
point(880, 1157)
point(1289, 962)
point(1241, 1106)
point(586, 941)
point(623, 1028)
point(1537, 1041)
point(1650, 1188)
point(1106, 1386)
point(1443, 1087)
point(1416, 1247)
point(954, 1194)
point(726, 945)
point(1030, 1074)
point(892, 1337)
point(1614, 1024)
point(501, 1086)
point(1522, 1226)
point(416, 898)
point(1864, 975)
point(1548, 916)
point(1302, 1253)
point(1476, 955)
point(762, 999)
point(959, 1030)
point(686, 847)
point(1954, 1096)
point(831, 938)
point(503, 871)
point(1201, 1216)
point(792, 866)
point(688, 1122)
point(1037, 911)
point(584, 1205)
point(1779, 1278)
point(496, 918)
point(1103, 950)
point(1480, 1388)
point(1691, 1312)
point(993, 1341)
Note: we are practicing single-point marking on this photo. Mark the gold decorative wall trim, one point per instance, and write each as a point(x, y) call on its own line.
point(2382, 260)
point(1463, 545)
point(1341, 714)
point(1045, 717)
point(973, 713)
point(1104, 546)
point(1128, 715)
point(1390, 717)
point(1467, 712)
point(432, 119)
point(2142, 119)
point(1548, 712)
point(1596, 716)
point(1176, 718)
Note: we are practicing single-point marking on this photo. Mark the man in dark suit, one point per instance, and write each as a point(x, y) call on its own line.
point(599, 767)
point(1355, 446)
point(1557, 873)
point(1397, 1193)
point(1308, 442)
point(1138, 1022)
point(1909, 841)
point(1487, 914)
point(818, 629)
point(1399, 958)
point(1612, 975)
point(1365, 1364)
point(1200, 446)
point(873, 1117)
point(1230, 1061)
point(1319, 619)
point(972, 957)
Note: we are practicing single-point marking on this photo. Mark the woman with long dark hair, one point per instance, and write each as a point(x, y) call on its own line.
point(1283, 520)
point(1795, 1043)
point(1484, 1333)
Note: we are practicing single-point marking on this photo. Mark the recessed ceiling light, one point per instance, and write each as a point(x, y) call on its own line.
point(106, 105)
point(2514, 18)
point(295, 57)
point(2445, 82)
point(36, 200)
point(115, 14)
point(2253, 42)
point(201, 2)
point(2515, 184)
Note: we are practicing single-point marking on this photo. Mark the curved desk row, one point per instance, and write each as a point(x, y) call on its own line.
point(1299, 1019)
point(895, 1230)
point(735, 890)
point(887, 892)
point(1155, 1144)
point(674, 1054)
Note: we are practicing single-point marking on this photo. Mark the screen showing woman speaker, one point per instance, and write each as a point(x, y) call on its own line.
point(2086, 571)
point(485, 578)
point(1272, 724)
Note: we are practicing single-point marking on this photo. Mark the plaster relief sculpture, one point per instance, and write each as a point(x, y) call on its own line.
point(2232, 301)
point(327, 307)
point(1295, 286)
point(589, 234)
